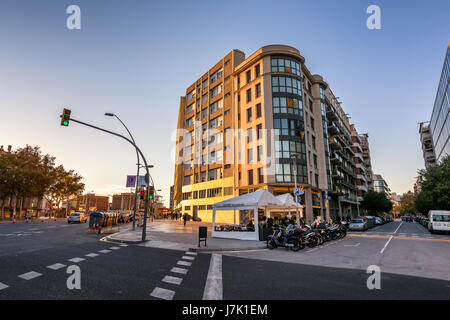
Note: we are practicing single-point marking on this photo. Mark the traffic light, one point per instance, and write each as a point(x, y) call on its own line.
point(65, 117)
point(142, 195)
point(151, 193)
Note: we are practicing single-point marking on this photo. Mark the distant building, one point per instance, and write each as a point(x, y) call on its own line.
point(435, 135)
point(123, 202)
point(380, 185)
point(93, 202)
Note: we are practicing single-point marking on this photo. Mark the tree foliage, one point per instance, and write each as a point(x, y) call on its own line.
point(376, 202)
point(27, 172)
point(435, 194)
point(407, 204)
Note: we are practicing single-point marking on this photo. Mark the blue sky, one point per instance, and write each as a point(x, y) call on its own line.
point(135, 58)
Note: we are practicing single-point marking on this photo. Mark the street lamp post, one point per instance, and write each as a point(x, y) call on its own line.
point(147, 176)
point(138, 167)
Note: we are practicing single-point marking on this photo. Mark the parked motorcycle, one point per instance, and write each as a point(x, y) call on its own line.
point(285, 238)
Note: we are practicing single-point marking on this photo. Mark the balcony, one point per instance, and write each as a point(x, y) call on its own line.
point(331, 114)
point(332, 128)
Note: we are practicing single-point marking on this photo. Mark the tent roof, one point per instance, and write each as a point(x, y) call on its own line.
point(288, 200)
point(258, 198)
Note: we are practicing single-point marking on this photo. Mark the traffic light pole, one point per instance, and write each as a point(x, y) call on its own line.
point(147, 176)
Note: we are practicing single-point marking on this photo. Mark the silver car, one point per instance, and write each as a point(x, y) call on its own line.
point(358, 224)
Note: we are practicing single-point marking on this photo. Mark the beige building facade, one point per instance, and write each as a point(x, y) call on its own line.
point(241, 125)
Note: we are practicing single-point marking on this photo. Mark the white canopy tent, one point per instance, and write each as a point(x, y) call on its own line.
point(251, 201)
point(288, 201)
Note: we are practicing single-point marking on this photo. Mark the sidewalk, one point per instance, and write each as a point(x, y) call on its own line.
point(167, 234)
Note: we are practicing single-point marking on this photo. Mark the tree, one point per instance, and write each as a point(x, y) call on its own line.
point(435, 194)
point(376, 202)
point(27, 172)
point(65, 186)
point(407, 204)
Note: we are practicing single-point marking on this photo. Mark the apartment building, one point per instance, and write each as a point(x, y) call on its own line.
point(123, 201)
point(435, 134)
point(92, 202)
point(361, 170)
point(243, 121)
point(380, 185)
point(364, 137)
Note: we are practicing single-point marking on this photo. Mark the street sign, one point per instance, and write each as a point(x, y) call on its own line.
point(131, 181)
point(326, 196)
point(298, 192)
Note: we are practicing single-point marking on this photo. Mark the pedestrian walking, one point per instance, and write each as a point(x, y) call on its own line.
point(184, 219)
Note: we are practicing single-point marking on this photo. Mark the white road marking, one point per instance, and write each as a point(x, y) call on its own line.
point(179, 270)
point(385, 246)
point(105, 251)
point(115, 248)
point(172, 280)
point(3, 286)
point(184, 263)
point(214, 285)
point(30, 275)
point(123, 245)
point(191, 253)
point(91, 255)
point(162, 293)
point(76, 259)
point(187, 258)
point(352, 245)
point(56, 266)
point(398, 227)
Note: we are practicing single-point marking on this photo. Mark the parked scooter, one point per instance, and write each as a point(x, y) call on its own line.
point(285, 238)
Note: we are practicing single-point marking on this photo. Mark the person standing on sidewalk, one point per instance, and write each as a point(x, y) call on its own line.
point(184, 219)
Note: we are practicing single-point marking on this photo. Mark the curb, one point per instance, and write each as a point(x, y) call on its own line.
point(108, 238)
point(206, 249)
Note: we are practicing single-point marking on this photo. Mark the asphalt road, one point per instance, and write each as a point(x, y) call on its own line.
point(34, 259)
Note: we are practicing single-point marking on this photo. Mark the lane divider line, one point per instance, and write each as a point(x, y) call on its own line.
point(214, 285)
point(172, 280)
point(184, 263)
point(30, 275)
point(76, 260)
point(162, 293)
point(56, 266)
point(385, 246)
point(92, 255)
point(3, 286)
point(179, 270)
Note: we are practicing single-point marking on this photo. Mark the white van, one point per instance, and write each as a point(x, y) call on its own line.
point(439, 220)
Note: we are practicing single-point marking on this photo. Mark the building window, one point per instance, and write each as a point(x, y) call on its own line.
point(249, 95)
point(287, 105)
point(215, 76)
point(284, 148)
point(312, 123)
point(250, 177)
point(258, 110)
point(216, 192)
point(313, 142)
point(190, 95)
point(260, 153)
point(228, 191)
point(250, 156)
point(260, 175)
point(257, 71)
point(258, 90)
point(204, 99)
point(249, 76)
point(249, 135)
point(249, 114)
point(310, 105)
point(202, 194)
point(189, 122)
point(215, 106)
point(284, 172)
point(187, 208)
point(287, 85)
point(315, 161)
point(316, 178)
point(285, 65)
point(259, 131)
point(205, 84)
point(215, 91)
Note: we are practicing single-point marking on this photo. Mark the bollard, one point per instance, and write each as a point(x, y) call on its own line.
point(100, 230)
point(14, 221)
point(26, 220)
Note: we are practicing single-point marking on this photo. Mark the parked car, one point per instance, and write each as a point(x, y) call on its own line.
point(358, 224)
point(379, 220)
point(370, 221)
point(407, 218)
point(77, 217)
point(439, 220)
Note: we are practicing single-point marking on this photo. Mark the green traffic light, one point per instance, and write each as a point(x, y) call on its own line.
point(151, 197)
point(65, 123)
